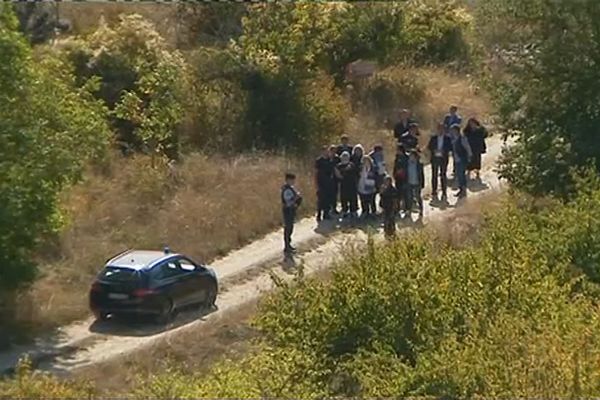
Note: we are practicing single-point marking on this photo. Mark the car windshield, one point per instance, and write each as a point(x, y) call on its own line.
point(116, 274)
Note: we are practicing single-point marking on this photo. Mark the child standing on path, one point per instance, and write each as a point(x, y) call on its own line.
point(389, 203)
point(366, 187)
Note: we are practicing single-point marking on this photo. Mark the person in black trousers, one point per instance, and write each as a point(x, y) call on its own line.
point(290, 201)
point(476, 135)
point(347, 174)
point(324, 181)
point(400, 164)
point(335, 159)
point(440, 146)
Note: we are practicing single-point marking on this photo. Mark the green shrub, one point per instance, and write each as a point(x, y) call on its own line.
point(49, 130)
point(140, 80)
point(544, 81)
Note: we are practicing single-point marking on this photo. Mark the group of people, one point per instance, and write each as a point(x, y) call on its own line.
point(347, 175)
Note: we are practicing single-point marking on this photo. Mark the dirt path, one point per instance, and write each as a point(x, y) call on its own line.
point(245, 274)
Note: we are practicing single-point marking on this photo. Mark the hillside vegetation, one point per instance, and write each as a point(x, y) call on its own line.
point(136, 143)
point(511, 311)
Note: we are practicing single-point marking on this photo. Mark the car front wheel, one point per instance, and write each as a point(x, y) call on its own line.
point(211, 296)
point(166, 312)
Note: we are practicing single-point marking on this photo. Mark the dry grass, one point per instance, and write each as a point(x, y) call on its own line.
point(203, 207)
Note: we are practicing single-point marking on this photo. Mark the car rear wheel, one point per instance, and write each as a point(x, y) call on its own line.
point(166, 312)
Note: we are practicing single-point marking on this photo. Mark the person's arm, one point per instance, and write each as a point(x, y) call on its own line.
point(467, 146)
point(337, 173)
point(289, 198)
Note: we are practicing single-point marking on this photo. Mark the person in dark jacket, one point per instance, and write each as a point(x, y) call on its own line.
point(401, 127)
point(410, 139)
point(335, 159)
point(347, 174)
point(415, 182)
point(388, 202)
point(476, 135)
point(344, 146)
point(440, 146)
point(461, 153)
point(291, 199)
point(356, 155)
point(400, 164)
point(324, 182)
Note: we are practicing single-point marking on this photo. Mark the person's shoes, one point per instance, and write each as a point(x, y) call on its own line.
point(434, 197)
point(290, 250)
point(444, 198)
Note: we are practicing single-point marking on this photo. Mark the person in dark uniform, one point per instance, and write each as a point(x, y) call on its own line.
point(324, 181)
point(400, 164)
point(347, 174)
point(389, 201)
point(476, 135)
point(344, 146)
point(403, 124)
point(410, 139)
point(335, 160)
point(290, 201)
point(440, 146)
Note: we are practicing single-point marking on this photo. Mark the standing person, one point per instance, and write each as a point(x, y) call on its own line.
point(452, 118)
point(440, 146)
point(476, 135)
point(461, 152)
point(402, 125)
point(290, 200)
point(410, 139)
point(356, 156)
point(347, 174)
point(366, 187)
point(344, 146)
point(390, 198)
point(400, 164)
point(335, 159)
point(324, 181)
point(377, 155)
point(416, 182)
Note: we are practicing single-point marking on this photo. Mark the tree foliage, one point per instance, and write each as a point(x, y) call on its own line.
point(49, 129)
point(545, 79)
point(140, 80)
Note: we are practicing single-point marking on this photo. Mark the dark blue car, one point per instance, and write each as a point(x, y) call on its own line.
point(154, 283)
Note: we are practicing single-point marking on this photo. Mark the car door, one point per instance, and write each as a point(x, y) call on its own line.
point(169, 279)
point(199, 280)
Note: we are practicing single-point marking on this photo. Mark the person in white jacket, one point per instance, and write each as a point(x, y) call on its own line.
point(366, 187)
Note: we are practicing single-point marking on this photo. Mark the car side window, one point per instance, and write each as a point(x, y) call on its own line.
point(168, 270)
point(186, 265)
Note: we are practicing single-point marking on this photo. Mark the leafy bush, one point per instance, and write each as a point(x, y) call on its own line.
point(545, 82)
point(412, 319)
point(49, 130)
point(140, 80)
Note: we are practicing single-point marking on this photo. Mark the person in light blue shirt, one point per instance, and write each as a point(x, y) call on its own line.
point(452, 118)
